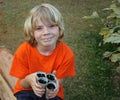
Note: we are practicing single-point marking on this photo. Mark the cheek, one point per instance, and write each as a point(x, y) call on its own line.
point(57, 33)
point(36, 34)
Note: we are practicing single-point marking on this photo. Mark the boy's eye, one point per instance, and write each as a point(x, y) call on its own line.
point(52, 25)
point(38, 28)
point(48, 26)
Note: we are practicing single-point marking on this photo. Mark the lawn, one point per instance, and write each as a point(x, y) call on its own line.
point(94, 75)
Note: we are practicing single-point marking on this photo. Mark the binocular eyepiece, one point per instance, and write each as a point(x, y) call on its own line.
point(41, 74)
point(51, 85)
point(51, 77)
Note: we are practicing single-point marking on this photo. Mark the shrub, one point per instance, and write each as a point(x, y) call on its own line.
point(110, 31)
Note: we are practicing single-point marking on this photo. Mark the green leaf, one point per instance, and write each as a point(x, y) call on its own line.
point(118, 49)
point(93, 16)
point(104, 31)
point(118, 69)
point(112, 15)
point(118, 16)
point(115, 57)
point(115, 29)
point(118, 1)
point(106, 9)
point(107, 54)
point(114, 38)
point(115, 9)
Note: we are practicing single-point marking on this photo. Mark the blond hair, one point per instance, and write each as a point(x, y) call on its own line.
point(45, 13)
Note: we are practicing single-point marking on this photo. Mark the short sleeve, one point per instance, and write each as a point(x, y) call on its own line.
point(67, 68)
point(19, 66)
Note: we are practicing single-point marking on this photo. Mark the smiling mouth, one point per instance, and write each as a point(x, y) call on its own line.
point(47, 39)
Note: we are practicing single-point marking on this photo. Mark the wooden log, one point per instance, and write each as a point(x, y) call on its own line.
point(7, 82)
point(5, 65)
point(5, 91)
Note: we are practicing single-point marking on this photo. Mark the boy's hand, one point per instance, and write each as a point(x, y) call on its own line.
point(52, 94)
point(37, 88)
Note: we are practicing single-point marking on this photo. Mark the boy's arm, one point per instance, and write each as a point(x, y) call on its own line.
point(30, 82)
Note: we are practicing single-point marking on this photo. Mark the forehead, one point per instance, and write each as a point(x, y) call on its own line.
point(41, 23)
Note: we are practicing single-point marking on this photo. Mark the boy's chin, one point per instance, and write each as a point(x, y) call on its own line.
point(49, 43)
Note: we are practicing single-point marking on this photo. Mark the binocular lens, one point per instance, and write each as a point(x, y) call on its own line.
point(42, 81)
point(51, 77)
point(51, 86)
point(41, 74)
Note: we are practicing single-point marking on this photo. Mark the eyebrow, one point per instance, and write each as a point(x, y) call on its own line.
point(37, 26)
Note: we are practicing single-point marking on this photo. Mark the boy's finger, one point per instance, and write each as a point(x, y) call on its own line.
point(54, 72)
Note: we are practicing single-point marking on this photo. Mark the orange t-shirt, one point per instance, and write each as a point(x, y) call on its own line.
point(27, 60)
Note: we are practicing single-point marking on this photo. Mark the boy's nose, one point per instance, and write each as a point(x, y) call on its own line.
point(46, 30)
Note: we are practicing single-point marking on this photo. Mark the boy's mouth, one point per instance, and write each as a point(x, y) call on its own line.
point(46, 39)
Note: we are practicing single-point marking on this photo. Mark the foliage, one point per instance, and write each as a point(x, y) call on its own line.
point(110, 31)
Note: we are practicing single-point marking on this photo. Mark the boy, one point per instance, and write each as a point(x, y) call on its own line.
point(42, 52)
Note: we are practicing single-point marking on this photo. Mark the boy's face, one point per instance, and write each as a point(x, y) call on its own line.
point(46, 34)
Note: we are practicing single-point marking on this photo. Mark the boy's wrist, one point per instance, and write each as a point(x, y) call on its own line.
point(28, 81)
point(24, 83)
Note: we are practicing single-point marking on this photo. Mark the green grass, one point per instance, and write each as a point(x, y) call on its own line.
point(94, 76)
